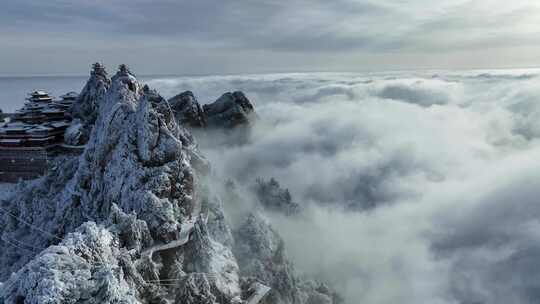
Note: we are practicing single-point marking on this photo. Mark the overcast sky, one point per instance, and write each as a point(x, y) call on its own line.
point(254, 36)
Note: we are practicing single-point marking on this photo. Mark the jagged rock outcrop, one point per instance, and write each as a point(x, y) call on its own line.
point(187, 110)
point(229, 111)
point(215, 261)
point(136, 182)
point(261, 252)
point(85, 109)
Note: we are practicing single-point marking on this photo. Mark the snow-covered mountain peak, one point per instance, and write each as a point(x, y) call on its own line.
point(135, 219)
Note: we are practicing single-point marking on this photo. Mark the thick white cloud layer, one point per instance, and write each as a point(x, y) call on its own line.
point(418, 187)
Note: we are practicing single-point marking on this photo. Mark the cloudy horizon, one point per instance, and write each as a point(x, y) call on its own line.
point(419, 186)
point(61, 37)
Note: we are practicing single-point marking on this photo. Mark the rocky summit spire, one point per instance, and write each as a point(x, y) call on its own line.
point(85, 109)
point(187, 110)
point(125, 77)
point(109, 206)
point(86, 106)
point(124, 70)
point(98, 69)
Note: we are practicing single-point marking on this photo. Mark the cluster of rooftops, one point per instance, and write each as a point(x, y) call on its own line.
point(34, 134)
point(39, 124)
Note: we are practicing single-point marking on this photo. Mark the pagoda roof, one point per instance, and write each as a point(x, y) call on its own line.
point(13, 124)
point(60, 124)
point(52, 110)
point(39, 98)
point(40, 128)
point(10, 128)
point(41, 138)
point(34, 105)
point(40, 122)
point(39, 93)
point(11, 140)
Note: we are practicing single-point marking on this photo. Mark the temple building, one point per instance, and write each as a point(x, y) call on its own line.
point(66, 100)
point(32, 134)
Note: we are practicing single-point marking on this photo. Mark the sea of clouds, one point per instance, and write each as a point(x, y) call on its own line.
point(417, 187)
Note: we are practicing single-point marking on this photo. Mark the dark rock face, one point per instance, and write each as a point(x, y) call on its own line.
point(229, 111)
point(187, 110)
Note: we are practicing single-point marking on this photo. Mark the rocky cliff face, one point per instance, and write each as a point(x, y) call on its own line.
point(187, 110)
point(229, 111)
point(132, 220)
point(262, 255)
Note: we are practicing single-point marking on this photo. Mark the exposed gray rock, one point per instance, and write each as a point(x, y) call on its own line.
point(187, 110)
point(230, 110)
